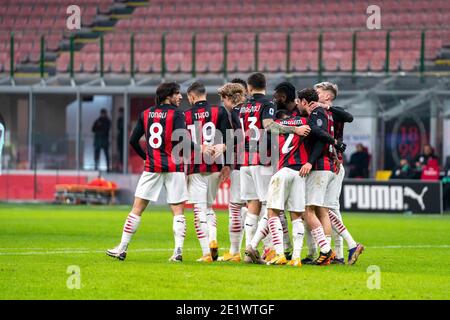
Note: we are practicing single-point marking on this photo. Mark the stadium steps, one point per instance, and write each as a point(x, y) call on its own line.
point(103, 22)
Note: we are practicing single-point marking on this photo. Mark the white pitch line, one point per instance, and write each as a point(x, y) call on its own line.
point(86, 250)
point(424, 246)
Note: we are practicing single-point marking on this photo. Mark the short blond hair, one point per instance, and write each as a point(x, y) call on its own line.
point(234, 91)
point(328, 86)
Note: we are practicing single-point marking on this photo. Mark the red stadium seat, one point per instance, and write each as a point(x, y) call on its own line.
point(241, 19)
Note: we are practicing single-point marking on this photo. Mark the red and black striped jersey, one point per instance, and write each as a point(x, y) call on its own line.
point(204, 122)
point(252, 113)
point(295, 113)
point(323, 120)
point(292, 151)
point(236, 124)
point(339, 134)
point(282, 112)
point(158, 124)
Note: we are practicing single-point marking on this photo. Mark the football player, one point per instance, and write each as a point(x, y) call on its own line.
point(319, 171)
point(205, 173)
point(287, 189)
point(161, 169)
point(233, 96)
point(257, 119)
point(327, 92)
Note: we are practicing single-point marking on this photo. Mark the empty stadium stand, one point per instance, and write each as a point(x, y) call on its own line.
point(262, 26)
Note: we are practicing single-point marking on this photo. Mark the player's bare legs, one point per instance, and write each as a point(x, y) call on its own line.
point(322, 214)
point(139, 206)
point(276, 231)
point(131, 224)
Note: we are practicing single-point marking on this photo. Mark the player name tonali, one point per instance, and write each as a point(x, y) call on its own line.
point(249, 109)
point(161, 115)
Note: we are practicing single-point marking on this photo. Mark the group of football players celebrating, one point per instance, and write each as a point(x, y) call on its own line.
point(280, 154)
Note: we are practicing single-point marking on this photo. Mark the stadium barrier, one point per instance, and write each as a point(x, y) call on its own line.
point(358, 195)
point(399, 196)
point(26, 185)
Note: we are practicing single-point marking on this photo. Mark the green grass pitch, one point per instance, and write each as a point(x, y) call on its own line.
point(38, 243)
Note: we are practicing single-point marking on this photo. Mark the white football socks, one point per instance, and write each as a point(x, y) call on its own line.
point(244, 212)
point(298, 231)
point(201, 228)
point(276, 230)
point(261, 232)
point(131, 224)
point(179, 233)
point(235, 227)
point(286, 237)
point(338, 245)
point(310, 242)
point(251, 224)
point(211, 219)
point(321, 239)
point(339, 227)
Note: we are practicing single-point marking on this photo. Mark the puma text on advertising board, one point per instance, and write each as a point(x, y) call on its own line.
point(391, 196)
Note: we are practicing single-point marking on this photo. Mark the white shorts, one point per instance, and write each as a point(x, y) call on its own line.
point(317, 187)
point(255, 182)
point(203, 187)
point(286, 191)
point(235, 188)
point(334, 190)
point(150, 185)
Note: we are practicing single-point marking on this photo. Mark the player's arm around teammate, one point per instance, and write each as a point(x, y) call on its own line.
point(316, 216)
point(327, 92)
point(287, 191)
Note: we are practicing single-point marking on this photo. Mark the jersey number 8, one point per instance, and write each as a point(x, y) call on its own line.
point(155, 139)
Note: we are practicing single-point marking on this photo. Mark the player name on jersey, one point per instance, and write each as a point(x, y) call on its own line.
point(201, 115)
point(160, 115)
point(250, 108)
point(293, 122)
